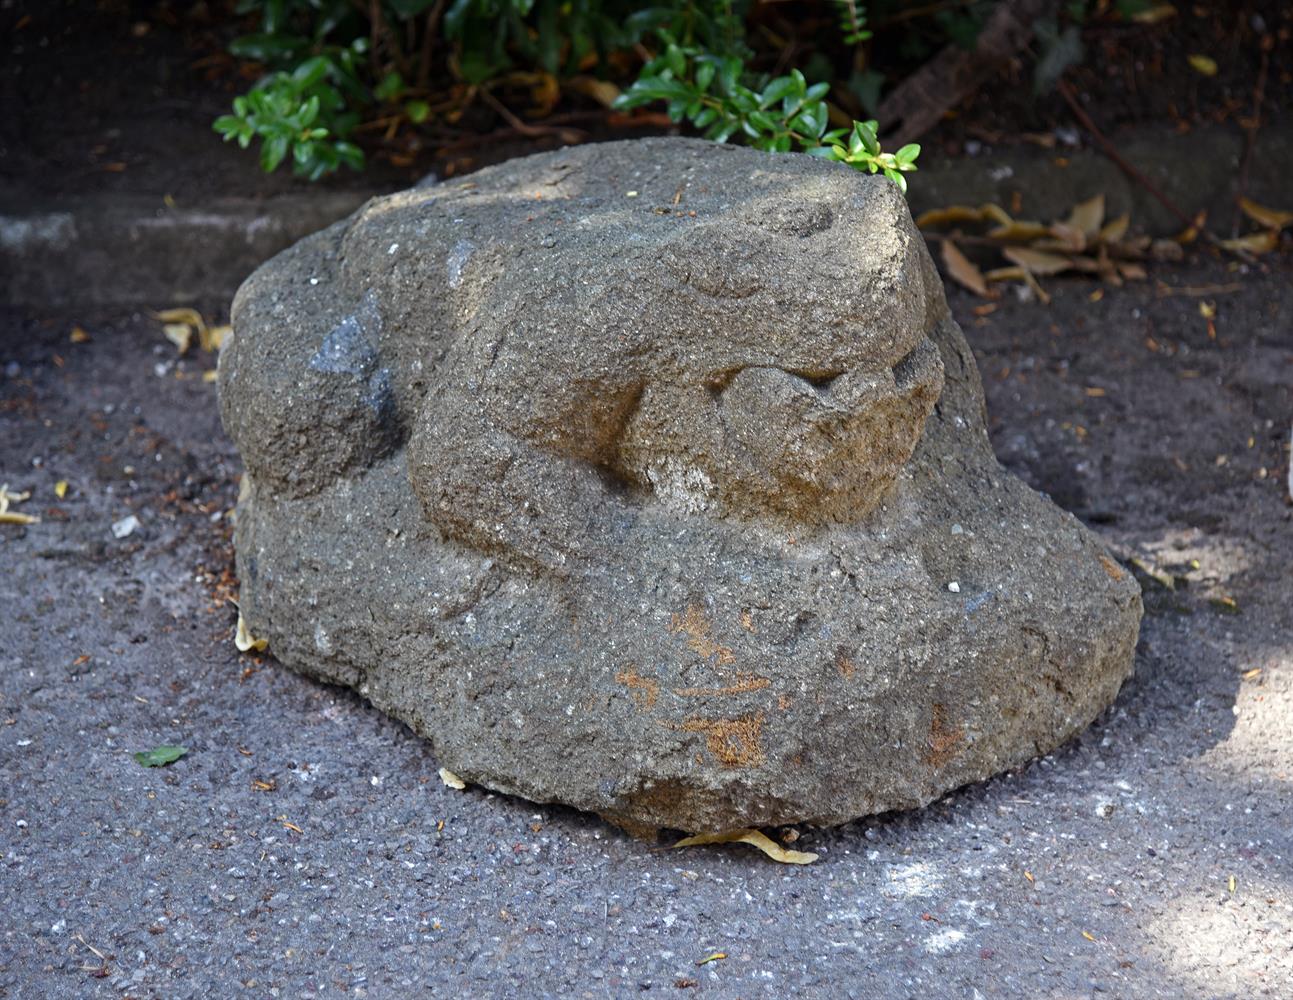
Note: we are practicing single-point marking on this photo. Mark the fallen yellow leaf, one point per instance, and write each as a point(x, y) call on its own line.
point(1019, 231)
point(1088, 935)
point(1087, 216)
point(1232, 885)
point(962, 270)
point(451, 779)
point(1159, 12)
point(603, 92)
point(1262, 242)
point(1208, 310)
point(179, 334)
point(1115, 229)
point(948, 215)
point(718, 956)
point(182, 315)
point(755, 839)
point(1204, 64)
point(79, 336)
point(1037, 261)
point(1264, 216)
point(213, 337)
point(60, 488)
point(8, 516)
point(244, 640)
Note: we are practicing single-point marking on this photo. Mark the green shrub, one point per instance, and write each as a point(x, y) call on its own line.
point(332, 64)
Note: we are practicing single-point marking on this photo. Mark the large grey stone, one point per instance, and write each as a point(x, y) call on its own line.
point(653, 478)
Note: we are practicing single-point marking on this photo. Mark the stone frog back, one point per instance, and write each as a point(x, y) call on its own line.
point(750, 352)
point(647, 456)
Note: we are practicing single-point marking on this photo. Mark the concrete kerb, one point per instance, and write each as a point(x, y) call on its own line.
point(112, 249)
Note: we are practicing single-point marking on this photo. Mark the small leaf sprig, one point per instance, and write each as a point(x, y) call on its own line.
point(714, 94)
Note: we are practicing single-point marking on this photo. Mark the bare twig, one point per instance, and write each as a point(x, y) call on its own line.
point(428, 44)
point(1111, 151)
point(570, 136)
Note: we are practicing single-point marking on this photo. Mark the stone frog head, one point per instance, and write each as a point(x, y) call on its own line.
point(766, 357)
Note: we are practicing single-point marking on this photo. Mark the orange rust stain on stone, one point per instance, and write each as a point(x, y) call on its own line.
point(644, 690)
point(784, 701)
point(844, 663)
point(747, 622)
point(1115, 571)
point(732, 742)
point(743, 683)
point(695, 625)
point(944, 740)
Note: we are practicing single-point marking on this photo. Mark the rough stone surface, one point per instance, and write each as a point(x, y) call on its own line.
point(690, 520)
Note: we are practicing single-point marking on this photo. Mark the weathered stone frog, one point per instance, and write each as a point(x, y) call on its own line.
point(653, 478)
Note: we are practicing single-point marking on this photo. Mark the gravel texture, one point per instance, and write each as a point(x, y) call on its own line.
point(1102, 870)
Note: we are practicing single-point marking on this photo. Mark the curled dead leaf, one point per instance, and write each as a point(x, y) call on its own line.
point(1203, 64)
point(603, 92)
point(962, 270)
point(1037, 261)
point(755, 839)
point(1256, 243)
point(1115, 229)
point(245, 641)
point(952, 214)
point(1263, 216)
point(213, 338)
point(1154, 14)
point(1019, 231)
point(179, 334)
point(1087, 216)
point(8, 516)
point(452, 780)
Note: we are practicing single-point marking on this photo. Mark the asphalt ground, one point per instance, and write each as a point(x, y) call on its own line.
point(306, 847)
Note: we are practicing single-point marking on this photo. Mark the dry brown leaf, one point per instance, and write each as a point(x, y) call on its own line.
point(1037, 261)
point(1087, 216)
point(1067, 238)
point(179, 334)
point(1263, 216)
point(452, 780)
point(603, 92)
point(1261, 242)
point(182, 315)
point(1203, 64)
point(755, 839)
point(245, 641)
point(8, 516)
point(1019, 232)
point(1191, 232)
point(1115, 229)
point(1159, 12)
point(962, 270)
point(948, 216)
point(1132, 271)
point(995, 213)
point(212, 338)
